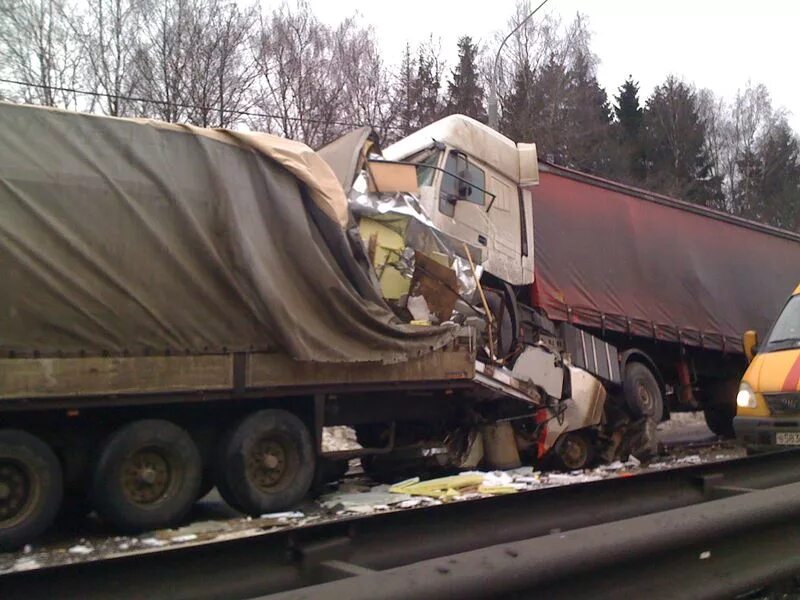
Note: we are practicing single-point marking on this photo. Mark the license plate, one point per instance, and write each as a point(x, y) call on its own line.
point(788, 438)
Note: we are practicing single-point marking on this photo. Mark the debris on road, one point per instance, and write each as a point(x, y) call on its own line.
point(355, 496)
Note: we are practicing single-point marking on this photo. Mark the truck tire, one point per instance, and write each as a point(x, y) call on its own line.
point(31, 488)
point(573, 451)
point(147, 476)
point(265, 463)
point(642, 392)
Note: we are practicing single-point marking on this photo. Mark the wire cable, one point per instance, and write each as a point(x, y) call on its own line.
point(232, 111)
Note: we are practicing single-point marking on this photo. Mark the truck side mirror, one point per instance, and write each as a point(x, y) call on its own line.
point(750, 344)
point(464, 187)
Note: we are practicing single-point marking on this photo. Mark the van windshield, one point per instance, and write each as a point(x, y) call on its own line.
point(786, 330)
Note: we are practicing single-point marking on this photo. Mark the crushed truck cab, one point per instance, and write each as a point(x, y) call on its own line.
point(768, 403)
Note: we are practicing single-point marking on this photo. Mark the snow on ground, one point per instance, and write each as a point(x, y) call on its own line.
point(354, 496)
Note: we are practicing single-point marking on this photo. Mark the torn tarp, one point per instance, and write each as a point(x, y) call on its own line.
point(127, 237)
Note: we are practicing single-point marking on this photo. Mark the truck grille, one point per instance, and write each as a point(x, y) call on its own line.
point(783, 404)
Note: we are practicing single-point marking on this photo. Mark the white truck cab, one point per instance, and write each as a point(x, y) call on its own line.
point(476, 190)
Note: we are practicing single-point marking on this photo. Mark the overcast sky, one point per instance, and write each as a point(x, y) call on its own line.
point(711, 43)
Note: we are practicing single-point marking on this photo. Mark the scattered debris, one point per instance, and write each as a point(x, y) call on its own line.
point(26, 564)
point(180, 539)
point(354, 496)
point(351, 500)
point(280, 516)
point(338, 438)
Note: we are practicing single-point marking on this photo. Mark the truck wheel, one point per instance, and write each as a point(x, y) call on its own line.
point(147, 476)
point(573, 451)
point(31, 488)
point(642, 392)
point(265, 463)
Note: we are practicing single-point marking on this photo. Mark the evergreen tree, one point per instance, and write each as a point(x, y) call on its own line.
point(517, 120)
point(563, 110)
point(627, 109)
point(588, 119)
point(774, 171)
point(629, 114)
point(464, 93)
point(677, 162)
point(406, 90)
point(428, 105)
point(548, 115)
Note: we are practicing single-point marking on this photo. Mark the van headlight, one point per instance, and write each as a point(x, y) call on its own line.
point(746, 398)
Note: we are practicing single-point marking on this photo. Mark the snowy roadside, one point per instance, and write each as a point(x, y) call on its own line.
point(356, 495)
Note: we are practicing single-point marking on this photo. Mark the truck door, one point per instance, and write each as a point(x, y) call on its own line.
point(505, 238)
point(463, 199)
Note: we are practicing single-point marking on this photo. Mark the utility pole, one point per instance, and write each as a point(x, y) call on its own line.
point(493, 118)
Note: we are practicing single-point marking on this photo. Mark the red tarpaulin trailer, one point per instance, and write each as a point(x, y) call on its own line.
point(618, 258)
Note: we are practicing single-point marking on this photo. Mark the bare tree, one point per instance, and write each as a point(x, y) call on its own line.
point(712, 111)
point(362, 79)
point(39, 49)
point(108, 34)
point(298, 77)
point(751, 119)
point(169, 37)
point(539, 41)
point(222, 66)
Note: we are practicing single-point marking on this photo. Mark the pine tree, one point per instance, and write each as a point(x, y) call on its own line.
point(677, 162)
point(406, 90)
point(428, 105)
point(776, 197)
point(464, 94)
point(589, 119)
point(628, 111)
point(629, 114)
point(517, 119)
point(549, 111)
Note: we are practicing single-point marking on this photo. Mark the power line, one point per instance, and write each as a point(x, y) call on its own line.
point(232, 111)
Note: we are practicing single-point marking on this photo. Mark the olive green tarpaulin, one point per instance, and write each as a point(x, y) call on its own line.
point(131, 237)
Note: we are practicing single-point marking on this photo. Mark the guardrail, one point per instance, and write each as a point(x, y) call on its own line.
point(704, 531)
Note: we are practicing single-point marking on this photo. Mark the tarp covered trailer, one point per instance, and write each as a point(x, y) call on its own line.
point(184, 307)
point(647, 270)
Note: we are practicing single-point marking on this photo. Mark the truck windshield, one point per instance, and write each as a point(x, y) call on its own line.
point(786, 330)
point(426, 166)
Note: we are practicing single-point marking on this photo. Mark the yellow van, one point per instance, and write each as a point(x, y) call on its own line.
point(768, 402)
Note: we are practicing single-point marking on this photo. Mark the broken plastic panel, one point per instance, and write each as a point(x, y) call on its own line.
point(403, 213)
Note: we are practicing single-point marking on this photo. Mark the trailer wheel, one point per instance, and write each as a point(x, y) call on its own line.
point(147, 476)
point(642, 392)
point(265, 463)
point(574, 451)
point(31, 487)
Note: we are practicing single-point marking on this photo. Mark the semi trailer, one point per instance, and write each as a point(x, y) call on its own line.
point(671, 285)
point(185, 308)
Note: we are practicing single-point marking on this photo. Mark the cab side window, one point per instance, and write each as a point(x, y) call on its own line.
point(467, 185)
